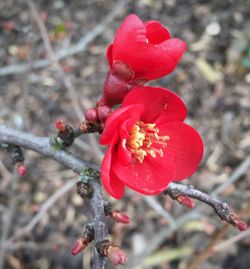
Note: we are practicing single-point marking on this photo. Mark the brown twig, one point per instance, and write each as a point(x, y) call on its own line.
point(222, 209)
point(165, 233)
point(42, 145)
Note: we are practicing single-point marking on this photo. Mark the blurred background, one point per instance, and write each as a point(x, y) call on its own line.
point(213, 78)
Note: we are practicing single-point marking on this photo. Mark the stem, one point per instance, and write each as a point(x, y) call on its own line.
point(42, 146)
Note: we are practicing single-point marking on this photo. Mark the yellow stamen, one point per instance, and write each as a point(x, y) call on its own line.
point(143, 140)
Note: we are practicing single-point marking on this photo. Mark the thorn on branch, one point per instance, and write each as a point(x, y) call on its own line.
point(114, 254)
point(114, 213)
point(84, 241)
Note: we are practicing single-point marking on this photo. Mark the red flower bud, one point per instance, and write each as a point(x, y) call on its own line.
point(60, 125)
point(238, 223)
point(91, 115)
point(116, 256)
point(241, 225)
point(21, 169)
point(114, 90)
point(120, 217)
point(80, 245)
point(186, 201)
point(9, 25)
point(103, 112)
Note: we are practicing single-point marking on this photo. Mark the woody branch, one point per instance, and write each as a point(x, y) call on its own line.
point(43, 146)
point(180, 192)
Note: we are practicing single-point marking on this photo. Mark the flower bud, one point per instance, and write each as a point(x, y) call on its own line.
point(91, 115)
point(103, 112)
point(83, 242)
point(115, 214)
point(60, 125)
point(21, 169)
point(120, 217)
point(116, 256)
point(186, 201)
point(238, 223)
point(78, 247)
point(9, 25)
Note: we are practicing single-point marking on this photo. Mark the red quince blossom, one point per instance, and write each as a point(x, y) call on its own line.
point(149, 145)
point(141, 51)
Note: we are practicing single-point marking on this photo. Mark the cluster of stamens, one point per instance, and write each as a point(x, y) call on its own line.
point(144, 140)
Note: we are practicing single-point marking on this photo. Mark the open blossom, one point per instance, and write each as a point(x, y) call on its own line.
point(141, 51)
point(149, 145)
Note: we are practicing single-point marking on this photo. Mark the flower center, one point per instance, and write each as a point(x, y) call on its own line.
point(144, 140)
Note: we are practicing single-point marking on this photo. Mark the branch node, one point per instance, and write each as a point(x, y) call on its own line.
point(181, 198)
point(227, 214)
point(115, 255)
point(114, 213)
point(84, 241)
point(91, 127)
point(84, 189)
point(89, 173)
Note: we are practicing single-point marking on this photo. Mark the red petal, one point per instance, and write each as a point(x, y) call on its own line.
point(185, 148)
point(156, 32)
point(163, 57)
point(160, 104)
point(124, 155)
point(131, 30)
point(146, 48)
point(114, 121)
point(149, 61)
point(150, 177)
point(109, 54)
point(111, 184)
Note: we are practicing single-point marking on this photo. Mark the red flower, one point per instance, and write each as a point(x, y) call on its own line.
point(147, 50)
point(140, 52)
point(149, 145)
